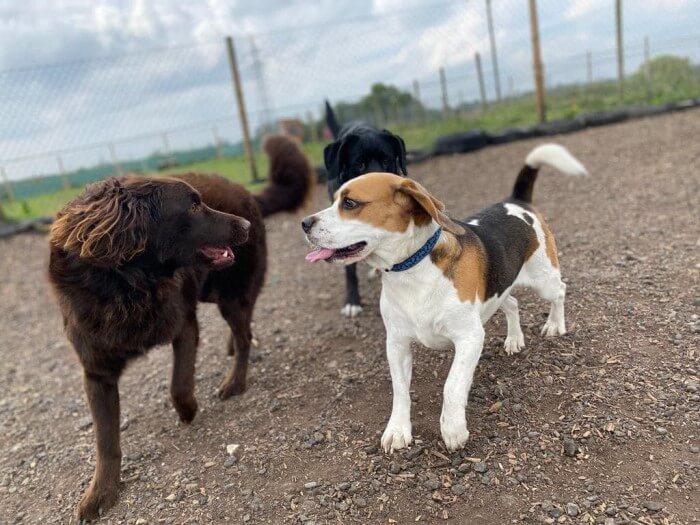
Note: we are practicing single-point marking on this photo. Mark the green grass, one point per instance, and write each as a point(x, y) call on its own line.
point(233, 168)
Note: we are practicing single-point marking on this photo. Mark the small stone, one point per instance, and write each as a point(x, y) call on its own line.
point(661, 430)
point(556, 512)
point(609, 521)
point(432, 484)
point(611, 510)
point(634, 510)
point(343, 486)
point(480, 467)
point(572, 509)
point(653, 506)
point(458, 490)
point(394, 467)
point(246, 518)
point(171, 497)
point(209, 464)
point(414, 452)
point(141, 521)
point(570, 448)
point(84, 423)
point(230, 461)
point(234, 449)
point(360, 501)
point(694, 449)
point(311, 485)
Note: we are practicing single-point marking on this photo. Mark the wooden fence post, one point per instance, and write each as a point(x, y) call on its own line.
point(620, 52)
point(242, 117)
point(537, 61)
point(445, 100)
point(480, 76)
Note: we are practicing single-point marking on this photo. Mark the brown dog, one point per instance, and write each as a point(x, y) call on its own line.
point(129, 260)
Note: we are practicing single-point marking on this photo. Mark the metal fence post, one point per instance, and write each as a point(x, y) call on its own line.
point(589, 68)
point(445, 100)
point(620, 52)
point(494, 54)
point(62, 170)
point(235, 76)
point(115, 160)
point(480, 76)
point(8, 185)
point(537, 61)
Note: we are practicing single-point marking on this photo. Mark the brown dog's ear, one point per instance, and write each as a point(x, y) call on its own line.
point(429, 204)
point(107, 224)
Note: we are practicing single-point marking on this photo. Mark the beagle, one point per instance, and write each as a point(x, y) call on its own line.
point(442, 279)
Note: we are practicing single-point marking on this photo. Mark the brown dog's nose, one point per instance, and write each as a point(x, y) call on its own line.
point(308, 222)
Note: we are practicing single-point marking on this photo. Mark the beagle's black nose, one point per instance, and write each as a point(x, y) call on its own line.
point(308, 222)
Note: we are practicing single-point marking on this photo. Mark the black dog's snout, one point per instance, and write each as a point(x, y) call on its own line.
point(245, 224)
point(308, 222)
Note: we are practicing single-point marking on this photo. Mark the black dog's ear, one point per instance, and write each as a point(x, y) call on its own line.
point(330, 155)
point(399, 148)
point(335, 155)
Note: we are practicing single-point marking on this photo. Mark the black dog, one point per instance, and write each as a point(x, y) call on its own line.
point(359, 148)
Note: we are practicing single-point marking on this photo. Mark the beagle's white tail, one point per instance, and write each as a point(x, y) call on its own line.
point(552, 155)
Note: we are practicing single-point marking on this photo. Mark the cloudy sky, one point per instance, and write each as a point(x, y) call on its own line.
point(78, 74)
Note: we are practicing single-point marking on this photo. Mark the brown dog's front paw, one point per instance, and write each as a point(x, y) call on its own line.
point(186, 408)
point(94, 502)
point(232, 388)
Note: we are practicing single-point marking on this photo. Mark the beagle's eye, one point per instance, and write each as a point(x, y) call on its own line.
point(349, 204)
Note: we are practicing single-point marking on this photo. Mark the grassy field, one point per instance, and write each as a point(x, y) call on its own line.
point(234, 168)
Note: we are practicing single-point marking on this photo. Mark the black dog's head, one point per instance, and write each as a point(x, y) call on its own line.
point(158, 221)
point(363, 149)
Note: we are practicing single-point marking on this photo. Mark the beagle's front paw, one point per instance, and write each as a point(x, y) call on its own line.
point(396, 436)
point(454, 433)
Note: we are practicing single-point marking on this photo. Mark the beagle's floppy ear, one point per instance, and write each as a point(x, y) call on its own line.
point(107, 225)
point(429, 204)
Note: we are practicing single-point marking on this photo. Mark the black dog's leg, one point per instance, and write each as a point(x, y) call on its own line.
point(352, 292)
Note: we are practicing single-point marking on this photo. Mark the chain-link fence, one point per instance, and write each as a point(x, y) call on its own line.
point(422, 69)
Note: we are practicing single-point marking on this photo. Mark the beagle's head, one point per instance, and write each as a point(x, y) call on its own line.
point(374, 213)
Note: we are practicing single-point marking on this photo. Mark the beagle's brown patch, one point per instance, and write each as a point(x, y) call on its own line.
point(463, 261)
point(390, 202)
point(379, 202)
point(550, 244)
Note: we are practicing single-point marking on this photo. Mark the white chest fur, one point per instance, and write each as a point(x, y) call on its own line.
point(421, 303)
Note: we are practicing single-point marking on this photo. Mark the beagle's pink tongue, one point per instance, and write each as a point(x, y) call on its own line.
point(319, 254)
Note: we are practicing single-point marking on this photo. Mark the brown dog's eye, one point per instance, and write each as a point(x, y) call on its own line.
point(349, 204)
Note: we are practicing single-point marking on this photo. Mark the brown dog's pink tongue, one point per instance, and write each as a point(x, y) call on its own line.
point(319, 254)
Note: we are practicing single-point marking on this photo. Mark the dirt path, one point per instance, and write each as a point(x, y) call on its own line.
point(601, 424)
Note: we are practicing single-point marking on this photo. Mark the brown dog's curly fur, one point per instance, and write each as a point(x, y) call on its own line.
point(130, 259)
point(105, 224)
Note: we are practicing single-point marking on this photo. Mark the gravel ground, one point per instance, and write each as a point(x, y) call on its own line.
point(598, 426)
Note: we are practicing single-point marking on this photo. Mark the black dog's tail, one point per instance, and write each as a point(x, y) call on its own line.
point(553, 155)
point(332, 122)
point(290, 178)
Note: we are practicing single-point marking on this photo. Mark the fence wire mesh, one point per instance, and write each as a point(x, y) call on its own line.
point(408, 66)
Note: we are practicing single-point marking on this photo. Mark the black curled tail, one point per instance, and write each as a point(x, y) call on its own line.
point(524, 184)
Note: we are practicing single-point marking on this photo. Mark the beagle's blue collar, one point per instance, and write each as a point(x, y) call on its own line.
point(417, 257)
